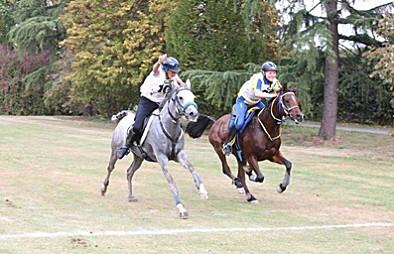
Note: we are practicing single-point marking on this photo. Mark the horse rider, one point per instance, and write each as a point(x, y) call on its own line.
point(262, 85)
point(153, 91)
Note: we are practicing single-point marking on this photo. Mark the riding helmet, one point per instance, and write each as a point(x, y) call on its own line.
point(170, 64)
point(269, 66)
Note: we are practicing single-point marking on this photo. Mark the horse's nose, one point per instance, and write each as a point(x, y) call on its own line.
point(193, 115)
point(300, 117)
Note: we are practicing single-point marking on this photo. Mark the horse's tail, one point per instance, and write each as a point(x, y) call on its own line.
point(196, 129)
point(119, 116)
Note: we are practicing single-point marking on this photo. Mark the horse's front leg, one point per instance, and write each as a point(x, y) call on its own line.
point(280, 159)
point(241, 175)
point(163, 161)
point(254, 166)
point(182, 158)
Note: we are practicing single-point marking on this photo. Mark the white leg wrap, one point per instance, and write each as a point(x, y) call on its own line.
point(203, 192)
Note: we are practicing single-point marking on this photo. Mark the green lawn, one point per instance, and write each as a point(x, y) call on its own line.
point(51, 169)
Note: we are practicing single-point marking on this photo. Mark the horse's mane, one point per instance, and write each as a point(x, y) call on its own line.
point(170, 94)
point(283, 90)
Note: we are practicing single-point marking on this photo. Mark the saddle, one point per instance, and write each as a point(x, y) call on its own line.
point(138, 150)
point(236, 140)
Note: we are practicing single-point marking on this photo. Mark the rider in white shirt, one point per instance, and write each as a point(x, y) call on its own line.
point(153, 91)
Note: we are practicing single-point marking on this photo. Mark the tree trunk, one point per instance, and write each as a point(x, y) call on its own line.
point(331, 74)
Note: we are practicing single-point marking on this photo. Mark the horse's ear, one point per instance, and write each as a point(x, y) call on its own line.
point(284, 87)
point(188, 84)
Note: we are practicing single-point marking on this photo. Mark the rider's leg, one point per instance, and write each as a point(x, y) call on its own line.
point(235, 125)
point(144, 109)
point(228, 144)
point(148, 107)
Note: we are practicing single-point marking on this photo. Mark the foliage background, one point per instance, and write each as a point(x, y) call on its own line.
point(90, 57)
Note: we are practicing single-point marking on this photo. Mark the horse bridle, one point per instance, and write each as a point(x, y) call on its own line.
point(179, 106)
point(283, 105)
point(182, 111)
point(278, 121)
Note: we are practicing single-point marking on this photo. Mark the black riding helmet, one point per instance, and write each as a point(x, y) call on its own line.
point(269, 66)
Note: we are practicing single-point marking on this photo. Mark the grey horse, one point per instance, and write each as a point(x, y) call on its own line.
point(164, 141)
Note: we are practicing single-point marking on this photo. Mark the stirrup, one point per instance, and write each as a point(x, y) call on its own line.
point(143, 153)
point(227, 149)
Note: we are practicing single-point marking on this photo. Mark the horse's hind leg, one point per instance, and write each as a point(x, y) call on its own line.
point(163, 160)
point(280, 159)
point(226, 168)
point(136, 164)
point(197, 179)
point(110, 168)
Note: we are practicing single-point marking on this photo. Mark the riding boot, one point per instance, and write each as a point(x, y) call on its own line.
point(124, 150)
point(227, 144)
point(132, 137)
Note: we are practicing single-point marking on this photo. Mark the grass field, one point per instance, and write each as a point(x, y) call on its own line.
point(51, 169)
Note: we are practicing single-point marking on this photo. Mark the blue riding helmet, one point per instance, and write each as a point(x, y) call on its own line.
point(269, 66)
point(170, 64)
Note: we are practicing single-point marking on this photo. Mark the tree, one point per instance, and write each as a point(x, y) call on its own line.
point(110, 59)
point(6, 18)
point(215, 40)
point(208, 34)
point(305, 28)
point(19, 92)
point(32, 31)
point(37, 26)
point(383, 58)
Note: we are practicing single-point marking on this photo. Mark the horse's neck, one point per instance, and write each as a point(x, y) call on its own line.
point(169, 123)
point(266, 117)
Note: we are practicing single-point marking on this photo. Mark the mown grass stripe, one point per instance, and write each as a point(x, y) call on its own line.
point(179, 231)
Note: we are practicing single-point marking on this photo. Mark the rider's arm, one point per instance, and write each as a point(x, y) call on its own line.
point(264, 95)
point(156, 66)
point(258, 90)
point(179, 82)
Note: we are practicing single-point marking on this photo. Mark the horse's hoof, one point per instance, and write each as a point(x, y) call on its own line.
point(184, 215)
point(237, 183)
point(132, 199)
point(280, 188)
point(203, 192)
point(252, 200)
point(203, 195)
point(255, 178)
point(241, 190)
point(103, 191)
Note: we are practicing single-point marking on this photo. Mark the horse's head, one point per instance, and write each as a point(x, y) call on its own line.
point(184, 100)
point(289, 104)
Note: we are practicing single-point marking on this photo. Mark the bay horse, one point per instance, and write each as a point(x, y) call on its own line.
point(163, 142)
point(261, 140)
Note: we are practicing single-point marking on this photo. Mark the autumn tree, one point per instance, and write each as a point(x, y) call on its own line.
point(113, 45)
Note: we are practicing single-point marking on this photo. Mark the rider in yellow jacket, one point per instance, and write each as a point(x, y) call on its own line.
point(262, 85)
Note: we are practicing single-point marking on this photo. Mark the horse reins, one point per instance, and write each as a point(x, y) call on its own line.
point(277, 120)
point(175, 120)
